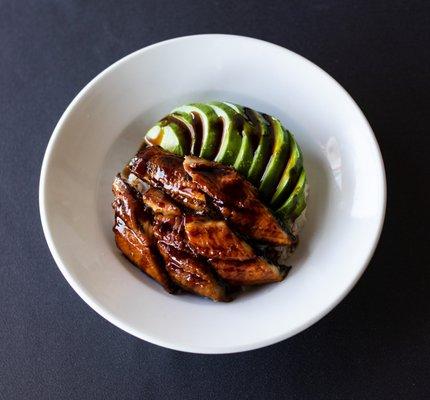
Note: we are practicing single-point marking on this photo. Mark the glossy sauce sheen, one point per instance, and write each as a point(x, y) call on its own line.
point(175, 231)
point(255, 132)
point(165, 171)
point(133, 233)
point(237, 201)
point(270, 138)
point(198, 130)
point(214, 239)
point(188, 271)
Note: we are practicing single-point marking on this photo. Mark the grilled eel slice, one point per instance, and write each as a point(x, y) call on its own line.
point(191, 273)
point(255, 271)
point(164, 170)
point(237, 201)
point(231, 257)
point(214, 239)
point(133, 233)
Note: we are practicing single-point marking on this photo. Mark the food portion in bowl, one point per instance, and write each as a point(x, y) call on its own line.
point(213, 201)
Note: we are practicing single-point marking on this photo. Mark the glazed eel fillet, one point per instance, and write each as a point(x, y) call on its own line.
point(187, 271)
point(133, 233)
point(187, 181)
point(237, 201)
point(181, 231)
point(232, 258)
point(164, 170)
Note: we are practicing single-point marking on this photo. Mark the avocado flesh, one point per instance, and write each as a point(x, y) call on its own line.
point(231, 138)
point(246, 152)
point(210, 133)
point(235, 107)
point(290, 175)
point(296, 203)
point(187, 120)
point(301, 205)
point(277, 160)
point(249, 137)
point(264, 147)
point(170, 137)
point(255, 144)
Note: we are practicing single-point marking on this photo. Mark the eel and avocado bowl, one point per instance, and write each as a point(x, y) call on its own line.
point(213, 201)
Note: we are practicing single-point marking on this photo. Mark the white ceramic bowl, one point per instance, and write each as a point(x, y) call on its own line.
point(103, 127)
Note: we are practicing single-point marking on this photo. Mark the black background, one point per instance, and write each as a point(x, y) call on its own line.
point(374, 345)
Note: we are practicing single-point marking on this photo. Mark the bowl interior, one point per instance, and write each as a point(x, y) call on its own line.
point(103, 128)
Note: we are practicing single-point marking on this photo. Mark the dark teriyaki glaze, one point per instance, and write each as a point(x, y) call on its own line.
point(238, 123)
point(214, 239)
point(198, 131)
point(192, 274)
point(165, 170)
point(250, 115)
point(237, 200)
point(270, 137)
point(220, 130)
point(255, 271)
point(255, 131)
point(133, 233)
point(197, 226)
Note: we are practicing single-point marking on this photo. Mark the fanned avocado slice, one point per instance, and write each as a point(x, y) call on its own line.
point(187, 121)
point(255, 144)
point(301, 204)
point(246, 152)
point(249, 141)
point(170, 136)
point(235, 107)
point(290, 175)
point(277, 161)
point(296, 203)
point(231, 135)
point(210, 134)
point(264, 147)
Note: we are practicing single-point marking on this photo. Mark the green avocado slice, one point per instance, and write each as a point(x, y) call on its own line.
point(296, 203)
point(301, 205)
point(255, 144)
point(231, 134)
point(210, 135)
point(277, 161)
point(187, 121)
point(235, 107)
point(264, 146)
point(246, 152)
point(290, 175)
point(249, 143)
point(170, 136)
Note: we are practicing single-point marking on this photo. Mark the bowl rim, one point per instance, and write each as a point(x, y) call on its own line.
point(93, 302)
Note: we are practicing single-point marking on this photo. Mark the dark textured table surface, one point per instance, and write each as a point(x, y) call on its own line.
point(374, 345)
